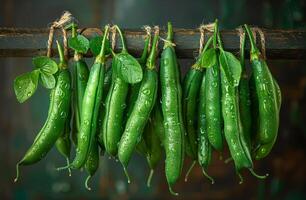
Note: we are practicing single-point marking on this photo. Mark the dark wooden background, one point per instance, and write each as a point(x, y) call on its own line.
point(19, 123)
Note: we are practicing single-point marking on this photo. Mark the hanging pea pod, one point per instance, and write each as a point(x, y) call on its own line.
point(80, 76)
point(151, 137)
point(57, 116)
point(90, 108)
point(191, 88)
point(230, 77)
point(266, 96)
point(244, 97)
point(125, 70)
point(204, 147)
point(140, 113)
point(213, 96)
point(172, 112)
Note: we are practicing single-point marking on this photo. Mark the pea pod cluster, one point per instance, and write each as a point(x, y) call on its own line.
point(122, 105)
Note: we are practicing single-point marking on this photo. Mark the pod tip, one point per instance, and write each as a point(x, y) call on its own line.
point(86, 183)
point(150, 178)
point(189, 170)
point(127, 175)
point(172, 192)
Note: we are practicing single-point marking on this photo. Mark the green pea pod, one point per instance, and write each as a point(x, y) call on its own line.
point(90, 108)
point(63, 143)
point(111, 130)
point(265, 149)
point(204, 147)
point(57, 116)
point(140, 113)
point(233, 129)
point(191, 88)
point(213, 104)
point(268, 113)
point(153, 144)
point(172, 112)
point(244, 98)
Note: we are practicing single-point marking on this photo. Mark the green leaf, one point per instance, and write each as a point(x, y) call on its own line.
point(47, 80)
point(95, 45)
point(231, 67)
point(45, 64)
point(79, 44)
point(209, 58)
point(25, 85)
point(128, 68)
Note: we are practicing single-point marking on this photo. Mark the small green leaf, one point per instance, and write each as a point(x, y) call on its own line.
point(25, 85)
point(45, 64)
point(79, 44)
point(231, 67)
point(209, 58)
point(47, 80)
point(128, 68)
point(95, 45)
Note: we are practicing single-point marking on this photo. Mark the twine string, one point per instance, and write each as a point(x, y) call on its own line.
point(113, 30)
point(64, 19)
point(262, 41)
point(148, 30)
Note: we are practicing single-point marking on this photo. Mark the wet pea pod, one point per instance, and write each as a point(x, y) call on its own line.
point(266, 95)
point(152, 140)
point(140, 114)
point(191, 88)
point(90, 107)
point(172, 112)
point(115, 102)
point(244, 97)
point(213, 102)
point(80, 72)
point(63, 143)
point(57, 116)
point(204, 146)
point(230, 78)
point(265, 149)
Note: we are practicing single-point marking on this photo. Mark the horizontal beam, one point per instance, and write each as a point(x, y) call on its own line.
point(280, 44)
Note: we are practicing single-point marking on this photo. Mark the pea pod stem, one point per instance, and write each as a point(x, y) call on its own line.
point(126, 174)
point(122, 38)
point(254, 50)
point(73, 30)
point(170, 32)
point(215, 33)
point(86, 182)
point(62, 63)
point(100, 58)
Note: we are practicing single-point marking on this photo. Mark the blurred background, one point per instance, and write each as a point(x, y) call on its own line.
point(19, 123)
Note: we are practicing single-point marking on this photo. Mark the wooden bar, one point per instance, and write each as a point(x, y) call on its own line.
point(280, 44)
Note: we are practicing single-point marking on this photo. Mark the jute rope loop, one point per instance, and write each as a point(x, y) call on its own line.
point(113, 30)
point(168, 42)
point(148, 30)
point(204, 27)
point(241, 36)
point(156, 32)
point(65, 18)
point(262, 41)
